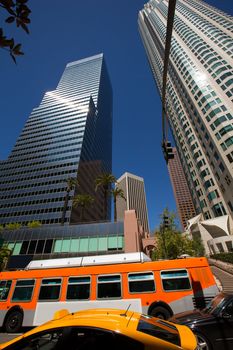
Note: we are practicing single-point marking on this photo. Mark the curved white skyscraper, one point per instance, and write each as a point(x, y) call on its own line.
point(199, 98)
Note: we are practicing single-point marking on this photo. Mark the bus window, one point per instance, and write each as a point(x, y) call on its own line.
point(23, 290)
point(4, 289)
point(109, 286)
point(141, 282)
point(174, 280)
point(78, 288)
point(50, 289)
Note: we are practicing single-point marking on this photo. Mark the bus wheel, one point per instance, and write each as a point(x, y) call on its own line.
point(160, 312)
point(13, 321)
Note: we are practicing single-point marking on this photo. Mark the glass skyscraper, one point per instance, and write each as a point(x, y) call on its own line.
point(69, 135)
point(199, 95)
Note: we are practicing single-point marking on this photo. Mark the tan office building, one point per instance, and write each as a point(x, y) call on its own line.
point(184, 202)
point(134, 192)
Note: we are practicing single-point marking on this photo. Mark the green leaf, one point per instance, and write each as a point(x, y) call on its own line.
point(10, 19)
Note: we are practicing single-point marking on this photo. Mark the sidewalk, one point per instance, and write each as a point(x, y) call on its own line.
point(223, 273)
point(222, 265)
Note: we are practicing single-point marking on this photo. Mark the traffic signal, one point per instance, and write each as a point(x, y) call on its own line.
point(166, 221)
point(167, 150)
point(170, 154)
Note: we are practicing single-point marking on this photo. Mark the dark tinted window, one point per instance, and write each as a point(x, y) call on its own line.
point(23, 290)
point(48, 246)
point(78, 288)
point(42, 341)
point(141, 282)
point(24, 247)
point(32, 247)
point(159, 329)
point(40, 246)
point(229, 309)
point(50, 289)
point(175, 280)
point(109, 286)
point(90, 338)
point(4, 289)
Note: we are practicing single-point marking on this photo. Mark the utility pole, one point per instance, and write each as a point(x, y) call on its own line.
point(166, 145)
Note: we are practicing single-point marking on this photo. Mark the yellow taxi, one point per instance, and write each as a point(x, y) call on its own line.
point(104, 329)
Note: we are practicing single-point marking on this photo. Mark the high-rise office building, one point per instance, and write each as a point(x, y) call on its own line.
point(135, 198)
point(199, 95)
point(69, 135)
point(181, 190)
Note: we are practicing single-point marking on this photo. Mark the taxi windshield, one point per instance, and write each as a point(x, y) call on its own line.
point(159, 329)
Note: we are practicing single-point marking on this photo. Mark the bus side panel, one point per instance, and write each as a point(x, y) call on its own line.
point(191, 302)
point(45, 310)
point(28, 317)
point(2, 316)
point(183, 304)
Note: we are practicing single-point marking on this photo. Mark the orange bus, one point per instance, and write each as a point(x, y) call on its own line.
point(31, 296)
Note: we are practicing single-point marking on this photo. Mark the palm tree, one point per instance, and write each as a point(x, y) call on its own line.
point(117, 192)
point(71, 182)
point(4, 256)
point(105, 180)
point(13, 226)
point(34, 224)
point(83, 201)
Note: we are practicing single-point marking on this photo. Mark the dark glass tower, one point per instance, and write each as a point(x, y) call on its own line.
point(69, 135)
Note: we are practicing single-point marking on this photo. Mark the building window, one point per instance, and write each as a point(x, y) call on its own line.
point(220, 247)
point(230, 157)
point(24, 247)
point(219, 209)
point(40, 246)
point(230, 206)
point(212, 195)
point(48, 246)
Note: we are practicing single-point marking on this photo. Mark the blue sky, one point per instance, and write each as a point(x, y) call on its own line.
point(62, 32)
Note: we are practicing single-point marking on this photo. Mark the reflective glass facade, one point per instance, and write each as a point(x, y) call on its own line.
point(63, 241)
point(199, 97)
point(69, 135)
